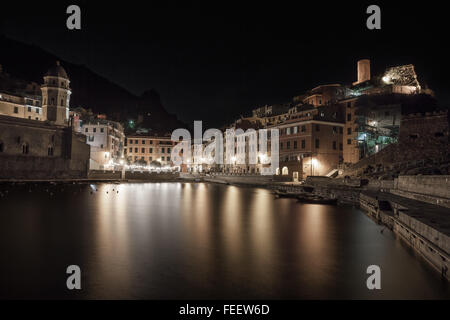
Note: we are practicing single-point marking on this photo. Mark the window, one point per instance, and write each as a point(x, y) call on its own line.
point(91, 138)
point(295, 129)
point(62, 102)
point(303, 128)
point(162, 158)
point(317, 143)
point(143, 141)
point(340, 146)
point(52, 101)
point(86, 130)
point(25, 148)
point(135, 150)
point(94, 130)
point(349, 117)
point(151, 159)
point(168, 150)
point(101, 146)
point(50, 151)
point(303, 144)
point(334, 145)
point(102, 130)
point(349, 141)
point(151, 150)
point(168, 158)
point(16, 110)
point(288, 145)
point(162, 150)
point(334, 129)
point(29, 109)
point(136, 142)
point(151, 141)
point(295, 144)
point(143, 150)
point(131, 150)
point(281, 145)
point(288, 131)
point(130, 141)
point(317, 127)
point(349, 130)
point(341, 130)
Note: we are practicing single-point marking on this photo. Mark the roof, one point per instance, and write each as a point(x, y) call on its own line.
point(57, 71)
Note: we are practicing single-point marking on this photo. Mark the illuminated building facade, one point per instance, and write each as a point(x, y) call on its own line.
point(311, 142)
point(149, 150)
point(106, 139)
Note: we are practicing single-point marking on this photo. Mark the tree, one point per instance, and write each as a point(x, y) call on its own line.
point(155, 164)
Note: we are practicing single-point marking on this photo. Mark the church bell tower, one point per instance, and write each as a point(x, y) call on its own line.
point(56, 95)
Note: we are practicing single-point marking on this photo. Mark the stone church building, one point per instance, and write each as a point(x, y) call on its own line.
point(43, 146)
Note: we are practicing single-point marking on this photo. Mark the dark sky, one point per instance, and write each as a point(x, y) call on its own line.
point(215, 61)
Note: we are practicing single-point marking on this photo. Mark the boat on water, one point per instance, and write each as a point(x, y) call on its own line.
point(313, 199)
point(285, 194)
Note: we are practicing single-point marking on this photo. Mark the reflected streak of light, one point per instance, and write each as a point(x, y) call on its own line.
point(113, 239)
point(233, 234)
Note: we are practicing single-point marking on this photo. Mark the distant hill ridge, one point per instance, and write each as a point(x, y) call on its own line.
point(90, 90)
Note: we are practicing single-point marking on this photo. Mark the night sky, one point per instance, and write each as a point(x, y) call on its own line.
point(216, 61)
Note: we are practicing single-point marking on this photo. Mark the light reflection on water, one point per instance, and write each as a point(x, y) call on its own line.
point(175, 240)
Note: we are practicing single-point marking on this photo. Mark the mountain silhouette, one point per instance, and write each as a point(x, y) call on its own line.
point(89, 90)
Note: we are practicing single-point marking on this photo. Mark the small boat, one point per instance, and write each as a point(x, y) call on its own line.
point(285, 194)
point(313, 199)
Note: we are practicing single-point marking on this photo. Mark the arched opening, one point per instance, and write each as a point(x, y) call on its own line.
point(277, 171)
point(25, 148)
point(285, 171)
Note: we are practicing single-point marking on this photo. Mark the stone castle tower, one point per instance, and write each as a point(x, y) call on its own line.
point(56, 95)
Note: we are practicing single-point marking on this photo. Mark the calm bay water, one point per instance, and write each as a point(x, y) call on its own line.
point(189, 241)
